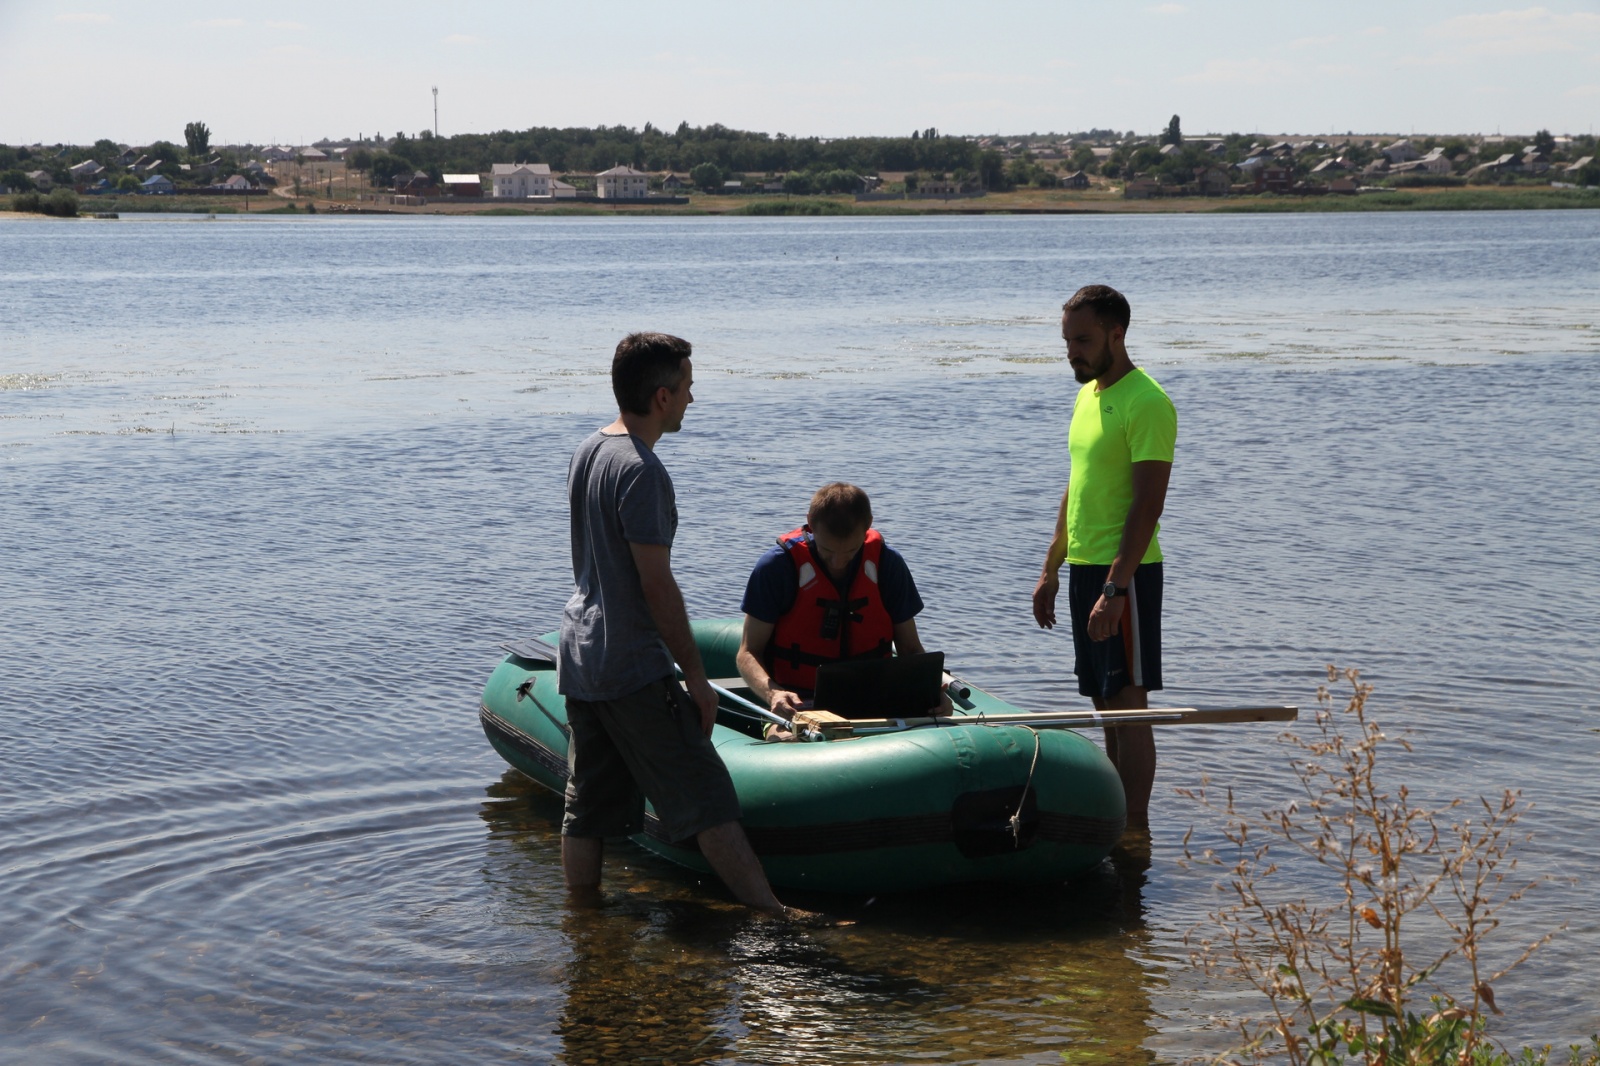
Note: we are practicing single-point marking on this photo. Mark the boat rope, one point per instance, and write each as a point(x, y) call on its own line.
point(1016, 819)
point(526, 689)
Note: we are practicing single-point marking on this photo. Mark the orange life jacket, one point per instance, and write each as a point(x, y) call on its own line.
point(821, 627)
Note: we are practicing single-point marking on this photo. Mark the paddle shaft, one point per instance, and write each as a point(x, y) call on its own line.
point(739, 701)
point(829, 726)
point(1073, 719)
point(535, 648)
point(753, 708)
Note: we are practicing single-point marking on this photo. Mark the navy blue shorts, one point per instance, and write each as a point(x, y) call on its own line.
point(1130, 657)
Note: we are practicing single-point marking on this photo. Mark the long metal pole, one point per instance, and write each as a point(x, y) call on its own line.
point(1079, 719)
point(739, 701)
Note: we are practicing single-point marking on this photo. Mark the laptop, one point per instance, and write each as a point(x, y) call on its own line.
point(905, 686)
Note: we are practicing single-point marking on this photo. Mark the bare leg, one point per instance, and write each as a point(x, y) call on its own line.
point(1132, 750)
point(728, 851)
point(580, 862)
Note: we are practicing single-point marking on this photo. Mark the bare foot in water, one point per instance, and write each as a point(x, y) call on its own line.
point(810, 919)
point(585, 897)
point(1134, 845)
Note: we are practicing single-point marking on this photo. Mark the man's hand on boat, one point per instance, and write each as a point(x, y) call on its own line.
point(785, 702)
point(781, 701)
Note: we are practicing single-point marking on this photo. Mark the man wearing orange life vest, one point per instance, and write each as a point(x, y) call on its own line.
point(830, 590)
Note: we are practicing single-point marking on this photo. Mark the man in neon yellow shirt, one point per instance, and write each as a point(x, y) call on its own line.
point(1124, 429)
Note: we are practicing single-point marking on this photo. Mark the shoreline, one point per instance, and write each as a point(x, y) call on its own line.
point(1023, 202)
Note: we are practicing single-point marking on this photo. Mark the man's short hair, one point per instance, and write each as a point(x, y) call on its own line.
point(644, 363)
point(1110, 307)
point(841, 509)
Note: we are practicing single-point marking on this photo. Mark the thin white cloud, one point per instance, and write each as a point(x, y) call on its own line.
point(286, 25)
point(219, 24)
point(1374, 31)
point(1314, 42)
point(1241, 72)
point(1534, 31)
point(84, 17)
point(1584, 90)
point(463, 38)
point(914, 63)
point(691, 65)
point(705, 71)
point(979, 77)
point(289, 52)
point(1532, 20)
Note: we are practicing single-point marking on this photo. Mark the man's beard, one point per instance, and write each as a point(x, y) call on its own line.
point(1093, 369)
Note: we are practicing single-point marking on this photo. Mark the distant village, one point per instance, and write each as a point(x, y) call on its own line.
point(373, 171)
point(1173, 165)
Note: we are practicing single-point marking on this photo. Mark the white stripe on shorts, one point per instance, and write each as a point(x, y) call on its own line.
point(1135, 651)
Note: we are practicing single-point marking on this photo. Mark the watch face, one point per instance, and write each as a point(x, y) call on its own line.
point(1109, 590)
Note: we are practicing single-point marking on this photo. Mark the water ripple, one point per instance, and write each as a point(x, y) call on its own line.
point(247, 809)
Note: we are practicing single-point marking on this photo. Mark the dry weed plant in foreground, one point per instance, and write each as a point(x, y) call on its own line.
point(1331, 955)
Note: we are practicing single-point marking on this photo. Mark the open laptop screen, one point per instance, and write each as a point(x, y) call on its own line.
point(904, 686)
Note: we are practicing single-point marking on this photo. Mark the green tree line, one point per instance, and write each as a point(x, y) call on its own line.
point(731, 151)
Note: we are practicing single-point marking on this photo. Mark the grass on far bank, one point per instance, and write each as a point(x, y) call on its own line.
point(1041, 201)
point(171, 205)
point(1518, 198)
point(699, 206)
point(805, 206)
point(1098, 200)
point(569, 211)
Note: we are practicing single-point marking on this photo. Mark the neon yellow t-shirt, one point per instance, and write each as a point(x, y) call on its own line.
point(1131, 422)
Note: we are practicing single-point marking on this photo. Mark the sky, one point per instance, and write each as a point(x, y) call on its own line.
point(294, 72)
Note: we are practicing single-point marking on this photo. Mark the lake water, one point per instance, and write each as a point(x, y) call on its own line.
point(273, 490)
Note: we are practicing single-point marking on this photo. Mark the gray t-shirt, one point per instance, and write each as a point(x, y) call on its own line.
point(620, 494)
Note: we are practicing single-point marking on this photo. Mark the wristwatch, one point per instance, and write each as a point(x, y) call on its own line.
point(1111, 592)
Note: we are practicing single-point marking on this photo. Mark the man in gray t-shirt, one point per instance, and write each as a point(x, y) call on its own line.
point(620, 495)
point(634, 735)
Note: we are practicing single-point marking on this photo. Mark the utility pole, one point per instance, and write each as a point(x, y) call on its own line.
point(436, 111)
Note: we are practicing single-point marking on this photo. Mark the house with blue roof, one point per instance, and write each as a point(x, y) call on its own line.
point(157, 185)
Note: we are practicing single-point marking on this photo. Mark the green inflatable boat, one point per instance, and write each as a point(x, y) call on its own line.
point(980, 797)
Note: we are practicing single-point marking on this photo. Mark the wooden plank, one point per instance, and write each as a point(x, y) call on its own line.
point(827, 723)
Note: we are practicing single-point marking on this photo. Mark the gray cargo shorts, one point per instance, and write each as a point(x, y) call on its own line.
point(647, 744)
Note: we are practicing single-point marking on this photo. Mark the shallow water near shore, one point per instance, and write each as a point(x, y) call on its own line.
point(273, 490)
